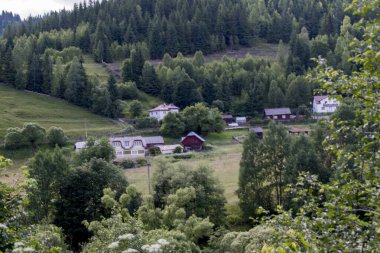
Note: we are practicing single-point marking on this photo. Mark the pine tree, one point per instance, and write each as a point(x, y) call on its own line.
point(76, 84)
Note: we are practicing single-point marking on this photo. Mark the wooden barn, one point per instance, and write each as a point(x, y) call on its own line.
point(278, 114)
point(228, 118)
point(192, 142)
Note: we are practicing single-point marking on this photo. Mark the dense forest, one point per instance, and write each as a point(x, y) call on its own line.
point(44, 54)
point(6, 18)
point(307, 194)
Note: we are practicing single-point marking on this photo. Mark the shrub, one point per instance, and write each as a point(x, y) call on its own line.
point(178, 150)
point(128, 91)
point(154, 151)
point(141, 162)
point(127, 164)
point(56, 136)
point(146, 123)
point(183, 156)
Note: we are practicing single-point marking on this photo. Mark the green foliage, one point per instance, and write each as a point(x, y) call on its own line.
point(128, 91)
point(56, 136)
point(173, 125)
point(135, 108)
point(209, 199)
point(46, 170)
point(101, 149)
point(127, 164)
point(76, 90)
point(140, 162)
point(203, 120)
point(146, 122)
point(30, 134)
point(41, 238)
point(82, 189)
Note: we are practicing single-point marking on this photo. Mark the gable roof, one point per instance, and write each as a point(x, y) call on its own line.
point(256, 130)
point(154, 140)
point(128, 140)
point(318, 99)
point(277, 111)
point(165, 107)
point(193, 134)
point(227, 116)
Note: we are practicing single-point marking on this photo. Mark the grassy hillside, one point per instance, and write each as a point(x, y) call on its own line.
point(94, 69)
point(18, 107)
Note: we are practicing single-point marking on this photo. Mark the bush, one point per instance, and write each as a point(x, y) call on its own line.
point(154, 151)
point(128, 91)
point(56, 136)
point(127, 164)
point(14, 138)
point(135, 108)
point(146, 123)
point(178, 150)
point(183, 156)
point(141, 162)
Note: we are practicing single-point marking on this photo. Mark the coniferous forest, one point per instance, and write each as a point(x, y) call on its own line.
point(315, 193)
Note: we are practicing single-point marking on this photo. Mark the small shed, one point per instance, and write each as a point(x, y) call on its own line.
point(228, 118)
point(278, 114)
point(192, 142)
point(258, 131)
point(241, 120)
point(80, 145)
point(298, 131)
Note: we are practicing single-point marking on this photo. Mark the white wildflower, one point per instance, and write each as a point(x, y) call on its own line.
point(126, 236)
point(154, 248)
point(113, 245)
point(130, 251)
point(163, 242)
point(145, 247)
point(17, 250)
point(29, 249)
point(19, 244)
point(3, 226)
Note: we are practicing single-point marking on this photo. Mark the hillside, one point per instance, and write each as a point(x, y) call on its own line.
point(18, 107)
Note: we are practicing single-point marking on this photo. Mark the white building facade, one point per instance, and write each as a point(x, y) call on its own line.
point(325, 104)
point(161, 111)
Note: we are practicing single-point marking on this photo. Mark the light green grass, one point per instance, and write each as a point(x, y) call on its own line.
point(94, 69)
point(18, 107)
point(224, 160)
point(224, 137)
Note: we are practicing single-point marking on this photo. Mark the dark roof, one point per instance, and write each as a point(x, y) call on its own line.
point(256, 130)
point(318, 99)
point(154, 140)
point(193, 134)
point(277, 111)
point(227, 117)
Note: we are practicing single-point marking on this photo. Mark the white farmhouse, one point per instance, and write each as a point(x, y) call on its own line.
point(324, 104)
point(129, 147)
point(162, 110)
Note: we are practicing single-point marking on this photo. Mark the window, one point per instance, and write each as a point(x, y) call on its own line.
point(116, 144)
point(137, 143)
point(275, 117)
point(126, 143)
point(119, 153)
point(134, 152)
point(284, 116)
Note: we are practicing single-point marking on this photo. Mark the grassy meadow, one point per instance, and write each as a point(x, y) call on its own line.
point(18, 107)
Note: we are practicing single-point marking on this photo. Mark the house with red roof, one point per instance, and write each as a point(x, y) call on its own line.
point(324, 104)
point(162, 110)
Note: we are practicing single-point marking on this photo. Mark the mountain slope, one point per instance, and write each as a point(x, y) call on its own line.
point(18, 107)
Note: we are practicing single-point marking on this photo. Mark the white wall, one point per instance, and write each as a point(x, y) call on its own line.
point(326, 105)
point(160, 115)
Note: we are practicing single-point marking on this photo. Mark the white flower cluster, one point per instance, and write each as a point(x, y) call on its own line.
point(130, 251)
point(22, 250)
point(113, 245)
point(157, 247)
point(3, 226)
point(126, 237)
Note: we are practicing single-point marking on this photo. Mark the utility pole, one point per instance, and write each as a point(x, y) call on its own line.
point(85, 124)
point(148, 167)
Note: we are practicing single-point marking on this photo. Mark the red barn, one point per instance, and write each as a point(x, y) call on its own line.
point(192, 142)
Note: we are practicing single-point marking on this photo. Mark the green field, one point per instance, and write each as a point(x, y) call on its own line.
point(94, 69)
point(18, 107)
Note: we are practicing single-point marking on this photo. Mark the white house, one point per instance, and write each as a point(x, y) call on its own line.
point(162, 110)
point(324, 104)
point(129, 147)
